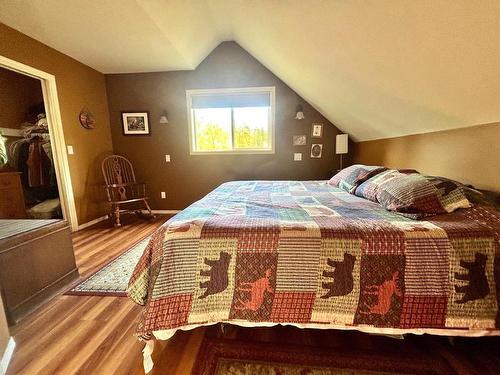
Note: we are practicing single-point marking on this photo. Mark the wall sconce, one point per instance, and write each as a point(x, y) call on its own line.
point(163, 118)
point(300, 113)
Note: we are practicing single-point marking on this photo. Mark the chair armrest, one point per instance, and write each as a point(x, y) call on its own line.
point(126, 191)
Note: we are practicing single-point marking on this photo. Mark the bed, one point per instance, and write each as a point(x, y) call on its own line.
point(305, 253)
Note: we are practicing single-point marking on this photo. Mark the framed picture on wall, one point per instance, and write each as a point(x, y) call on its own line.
point(317, 130)
point(135, 123)
point(299, 140)
point(316, 150)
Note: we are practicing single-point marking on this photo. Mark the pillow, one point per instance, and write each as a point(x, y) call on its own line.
point(369, 188)
point(349, 178)
point(416, 196)
point(407, 170)
point(482, 197)
point(451, 193)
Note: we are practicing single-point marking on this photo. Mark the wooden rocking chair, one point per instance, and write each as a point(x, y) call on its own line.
point(122, 188)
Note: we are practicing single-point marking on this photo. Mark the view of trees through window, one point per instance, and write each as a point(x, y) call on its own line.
point(231, 129)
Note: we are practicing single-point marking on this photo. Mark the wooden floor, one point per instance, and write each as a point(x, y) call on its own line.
point(94, 335)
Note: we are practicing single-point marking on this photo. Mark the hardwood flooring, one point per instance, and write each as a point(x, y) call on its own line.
point(94, 335)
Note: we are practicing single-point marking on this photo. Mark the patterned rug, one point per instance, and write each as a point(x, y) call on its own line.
point(232, 357)
point(112, 279)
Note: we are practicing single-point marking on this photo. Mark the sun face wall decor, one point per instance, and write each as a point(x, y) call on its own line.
point(86, 119)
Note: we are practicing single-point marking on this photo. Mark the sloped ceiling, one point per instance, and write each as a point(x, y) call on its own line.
point(376, 69)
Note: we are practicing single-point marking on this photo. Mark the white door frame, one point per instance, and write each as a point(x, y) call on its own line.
point(59, 155)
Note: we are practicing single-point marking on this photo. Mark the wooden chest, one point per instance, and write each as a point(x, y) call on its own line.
point(34, 265)
point(11, 196)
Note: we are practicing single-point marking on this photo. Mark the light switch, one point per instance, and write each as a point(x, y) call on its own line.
point(163, 195)
point(167, 158)
point(297, 156)
point(70, 150)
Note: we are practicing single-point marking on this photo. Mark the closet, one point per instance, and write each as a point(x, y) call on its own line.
point(28, 184)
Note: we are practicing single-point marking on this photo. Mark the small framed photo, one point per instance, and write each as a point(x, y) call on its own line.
point(135, 123)
point(316, 150)
point(317, 130)
point(299, 140)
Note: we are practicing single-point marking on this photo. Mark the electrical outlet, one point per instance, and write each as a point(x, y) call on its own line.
point(163, 195)
point(297, 156)
point(167, 158)
point(70, 150)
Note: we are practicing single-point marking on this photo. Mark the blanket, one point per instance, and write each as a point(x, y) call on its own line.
point(306, 253)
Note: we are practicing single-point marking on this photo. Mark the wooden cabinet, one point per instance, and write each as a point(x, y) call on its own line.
point(11, 196)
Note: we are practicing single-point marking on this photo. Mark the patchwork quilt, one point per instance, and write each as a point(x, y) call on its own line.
point(307, 253)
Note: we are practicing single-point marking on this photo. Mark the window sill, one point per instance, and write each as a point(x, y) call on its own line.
point(239, 152)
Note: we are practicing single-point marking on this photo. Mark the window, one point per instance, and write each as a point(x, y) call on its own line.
point(231, 121)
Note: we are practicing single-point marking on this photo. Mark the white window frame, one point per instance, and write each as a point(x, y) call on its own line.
point(190, 114)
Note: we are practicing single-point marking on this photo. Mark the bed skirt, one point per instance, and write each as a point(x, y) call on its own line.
point(169, 333)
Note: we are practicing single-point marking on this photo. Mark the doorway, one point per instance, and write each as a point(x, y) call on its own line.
point(50, 188)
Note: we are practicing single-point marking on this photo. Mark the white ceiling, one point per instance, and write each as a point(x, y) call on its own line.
point(376, 69)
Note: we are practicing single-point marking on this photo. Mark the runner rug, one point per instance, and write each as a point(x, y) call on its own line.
point(112, 279)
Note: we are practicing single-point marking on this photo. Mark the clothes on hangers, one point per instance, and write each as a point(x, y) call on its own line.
point(22, 163)
point(38, 164)
point(47, 147)
point(32, 156)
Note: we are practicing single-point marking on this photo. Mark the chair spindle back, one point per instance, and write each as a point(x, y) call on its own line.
point(117, 170)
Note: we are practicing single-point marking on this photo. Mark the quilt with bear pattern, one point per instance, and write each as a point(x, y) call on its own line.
point(307, 253)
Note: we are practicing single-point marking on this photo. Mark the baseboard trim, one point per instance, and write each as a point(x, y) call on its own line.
point(7, 356)
point(92, 222)
point(105, 217)
point(169, 212)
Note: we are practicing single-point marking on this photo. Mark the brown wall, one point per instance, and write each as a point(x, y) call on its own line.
point(189, 177)
point(17, 94)
point(469, 155)
point(78, 86)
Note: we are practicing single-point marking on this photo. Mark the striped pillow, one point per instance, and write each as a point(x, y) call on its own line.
point(416, 196)
point(451, 193)
point(369, 188)
point(349, 178)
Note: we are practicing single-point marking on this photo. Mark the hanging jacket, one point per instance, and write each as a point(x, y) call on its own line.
point(38, 165)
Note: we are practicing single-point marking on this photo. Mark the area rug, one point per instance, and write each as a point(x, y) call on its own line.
point(112, 279)
point(232, 357)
